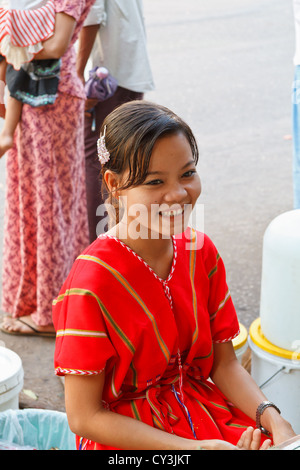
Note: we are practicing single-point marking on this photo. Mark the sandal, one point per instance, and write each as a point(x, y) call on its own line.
point(31, 330)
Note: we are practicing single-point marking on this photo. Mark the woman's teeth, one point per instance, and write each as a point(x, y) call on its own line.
point(171, 213)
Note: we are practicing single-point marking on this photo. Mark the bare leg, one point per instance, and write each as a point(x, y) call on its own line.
point(2, 86)
point(12, 117)
point(2, 105)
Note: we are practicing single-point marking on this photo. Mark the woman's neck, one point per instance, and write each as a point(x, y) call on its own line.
point(156, 252)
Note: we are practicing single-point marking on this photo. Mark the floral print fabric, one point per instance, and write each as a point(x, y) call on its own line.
point(46, 224)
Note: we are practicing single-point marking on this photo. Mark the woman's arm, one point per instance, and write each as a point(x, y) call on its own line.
point(240, 389)
point(56, 46)
point(89, 419)
point(3, 65)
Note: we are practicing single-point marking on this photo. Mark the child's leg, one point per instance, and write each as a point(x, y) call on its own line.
point(2, 85)
point(12, 117)
point(2, 105)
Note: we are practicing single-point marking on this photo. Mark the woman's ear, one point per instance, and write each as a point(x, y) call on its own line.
point(112, 182)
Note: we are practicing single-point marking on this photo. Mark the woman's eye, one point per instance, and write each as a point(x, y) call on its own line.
point(189, 173)
point(153, 182)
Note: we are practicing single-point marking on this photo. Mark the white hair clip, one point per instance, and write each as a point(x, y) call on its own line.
point(103, 153)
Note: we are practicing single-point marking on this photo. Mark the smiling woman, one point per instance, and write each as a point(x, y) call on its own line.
point(144, 166)
point(168, 194)
point(145, 318)
point(132, 137)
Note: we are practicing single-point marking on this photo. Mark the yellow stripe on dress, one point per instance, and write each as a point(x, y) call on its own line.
point(221, 305)
point(104, 310)
point(82, 333)
point(134, 294)
point(215, 268)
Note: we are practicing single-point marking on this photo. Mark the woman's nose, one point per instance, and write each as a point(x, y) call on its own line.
point(175, 193)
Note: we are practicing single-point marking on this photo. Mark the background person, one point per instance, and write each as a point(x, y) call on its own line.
point(115, 35)
point(296, 109)
point(46, 223)
point(29, 81)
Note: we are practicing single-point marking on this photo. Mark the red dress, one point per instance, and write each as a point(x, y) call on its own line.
point(154, 337)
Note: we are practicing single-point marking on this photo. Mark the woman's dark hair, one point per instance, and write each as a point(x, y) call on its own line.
point(131, 132)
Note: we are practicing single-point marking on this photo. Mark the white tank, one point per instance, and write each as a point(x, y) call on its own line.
point(11, 379)
point(280, 283)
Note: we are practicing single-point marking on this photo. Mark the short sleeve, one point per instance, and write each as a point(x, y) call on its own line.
point(82, 345)
point(97, 14)
point(73, 8)
point(223, 317)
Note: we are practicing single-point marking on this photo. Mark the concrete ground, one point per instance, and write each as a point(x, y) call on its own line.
point(225, 67)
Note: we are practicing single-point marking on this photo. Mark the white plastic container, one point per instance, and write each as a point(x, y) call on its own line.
point(280, 283)
point(277, 372)
point(11, 379)
point(240, 343)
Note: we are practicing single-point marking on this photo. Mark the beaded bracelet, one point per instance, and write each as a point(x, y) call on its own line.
point(260, 409)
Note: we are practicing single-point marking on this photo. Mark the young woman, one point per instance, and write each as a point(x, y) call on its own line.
point(145, 320)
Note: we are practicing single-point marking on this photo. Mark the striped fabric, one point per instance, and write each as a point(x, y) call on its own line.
point(27, 27)
point(154, 337)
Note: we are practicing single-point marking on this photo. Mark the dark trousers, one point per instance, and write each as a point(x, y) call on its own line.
point(95, 195)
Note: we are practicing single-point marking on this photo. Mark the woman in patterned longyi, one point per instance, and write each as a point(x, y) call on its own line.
point(45, 214)
point(145, 318)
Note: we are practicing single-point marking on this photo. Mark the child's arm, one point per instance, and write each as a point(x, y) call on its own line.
point(89, 419)
point(56, 46)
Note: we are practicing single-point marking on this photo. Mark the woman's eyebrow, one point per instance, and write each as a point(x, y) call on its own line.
point(191, 162)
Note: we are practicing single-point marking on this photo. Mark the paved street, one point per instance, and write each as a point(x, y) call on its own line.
point(225, 67)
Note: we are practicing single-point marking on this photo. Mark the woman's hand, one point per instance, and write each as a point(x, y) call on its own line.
point(280, 429)
point(90, 103)
point(249, 440)
point(282, 433)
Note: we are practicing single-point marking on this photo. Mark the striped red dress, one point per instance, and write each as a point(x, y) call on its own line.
point(154, 337)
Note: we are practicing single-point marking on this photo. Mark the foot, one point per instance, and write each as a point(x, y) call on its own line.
point(6, 142)
point(25, 326)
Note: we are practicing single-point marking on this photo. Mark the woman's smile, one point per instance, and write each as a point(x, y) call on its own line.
point(164, 202)
point(172, 213)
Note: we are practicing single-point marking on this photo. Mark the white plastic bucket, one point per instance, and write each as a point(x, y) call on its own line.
point(277, 372)
point(280, 283)
point(240, 343)
point(11, 379)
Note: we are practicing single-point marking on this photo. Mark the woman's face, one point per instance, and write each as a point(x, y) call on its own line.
point(161, 205)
